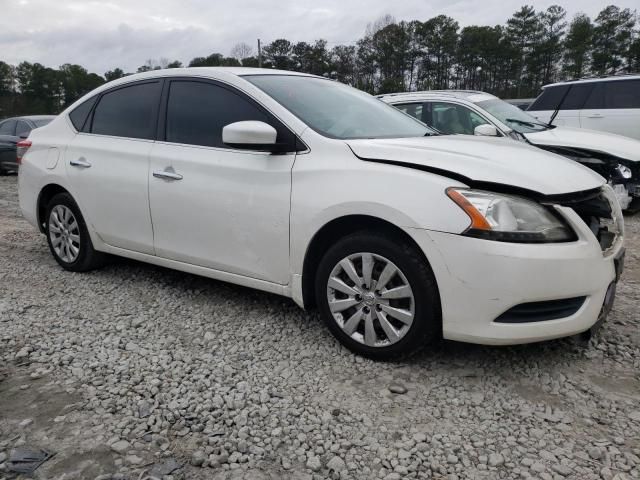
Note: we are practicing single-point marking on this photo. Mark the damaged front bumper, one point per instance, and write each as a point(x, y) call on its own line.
point(500, 293)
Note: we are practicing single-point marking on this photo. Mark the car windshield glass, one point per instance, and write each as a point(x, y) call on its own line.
point(512, 116)
point(336, 110)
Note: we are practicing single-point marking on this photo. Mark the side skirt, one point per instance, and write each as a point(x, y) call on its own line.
point(270, 287)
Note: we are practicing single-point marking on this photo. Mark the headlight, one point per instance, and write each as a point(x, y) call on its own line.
point(507, 218)
point(624, 171)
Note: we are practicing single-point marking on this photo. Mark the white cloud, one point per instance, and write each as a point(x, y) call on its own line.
point(102, 35)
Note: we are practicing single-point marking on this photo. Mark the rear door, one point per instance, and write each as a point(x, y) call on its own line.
point(614, 106)
point(108, 164)
point(221, 208)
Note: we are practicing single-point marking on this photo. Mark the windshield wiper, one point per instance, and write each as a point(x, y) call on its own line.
point(525, 123)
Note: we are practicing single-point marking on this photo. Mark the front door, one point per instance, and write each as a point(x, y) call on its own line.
point(215, 206)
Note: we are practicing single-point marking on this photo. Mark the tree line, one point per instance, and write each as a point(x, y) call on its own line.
point(531, 49)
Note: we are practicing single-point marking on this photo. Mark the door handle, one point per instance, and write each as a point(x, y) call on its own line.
point(595, 115)
point(167, 175)
point(81, 162)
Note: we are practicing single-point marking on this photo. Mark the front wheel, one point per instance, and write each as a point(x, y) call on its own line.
point(378, 296)
point(68, 237)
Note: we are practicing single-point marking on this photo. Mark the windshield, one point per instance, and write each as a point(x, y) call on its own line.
point(512, 116)
point(336, 110)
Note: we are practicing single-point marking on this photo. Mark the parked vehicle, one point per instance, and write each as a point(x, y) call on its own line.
point(12, 130)
point(304, 187)
point(610, 104)
point(521, 103)
point(466, 112)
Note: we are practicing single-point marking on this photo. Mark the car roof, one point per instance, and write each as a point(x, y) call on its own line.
point(463, 94)
point(215, 73)
point(594, 80)
point(207, 71)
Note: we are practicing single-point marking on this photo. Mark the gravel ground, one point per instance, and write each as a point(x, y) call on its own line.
point(133, 370)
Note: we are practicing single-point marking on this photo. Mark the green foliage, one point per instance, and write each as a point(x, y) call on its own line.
point(612, 38)
point(577, 47)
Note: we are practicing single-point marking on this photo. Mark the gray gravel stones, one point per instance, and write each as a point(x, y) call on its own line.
point(495, 460)
point(398, 389)
point(313, 463)
point(228, 383)
point(120, 446)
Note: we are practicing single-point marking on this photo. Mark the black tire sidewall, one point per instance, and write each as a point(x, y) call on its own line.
point(86, 256)
point(427, 322)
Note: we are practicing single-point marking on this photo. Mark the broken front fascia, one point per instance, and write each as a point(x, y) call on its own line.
point(622, 174)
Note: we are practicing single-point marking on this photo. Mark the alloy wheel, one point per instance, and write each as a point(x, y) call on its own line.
point(370, 299)
point(64, 233)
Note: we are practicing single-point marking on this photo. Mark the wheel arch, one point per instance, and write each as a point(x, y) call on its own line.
point(333, 231)
point(45, 195)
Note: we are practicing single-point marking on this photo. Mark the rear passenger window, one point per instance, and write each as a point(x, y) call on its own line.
point(197, 112)
point(577, 96)
point(549, 99)
point(23, 129)
point(79, 114)
point(621, 94)
point(128, 112)
point(8, 127)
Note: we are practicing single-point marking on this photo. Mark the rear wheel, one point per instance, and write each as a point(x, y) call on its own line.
point(378, 296)
point(68, 237)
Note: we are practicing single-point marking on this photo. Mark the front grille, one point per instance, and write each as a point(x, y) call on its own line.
point(541, 311)
point(601, 212)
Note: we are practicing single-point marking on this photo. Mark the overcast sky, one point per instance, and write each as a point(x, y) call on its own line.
point(102, 35)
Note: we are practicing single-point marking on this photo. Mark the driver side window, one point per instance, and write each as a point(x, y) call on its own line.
point(452, 119)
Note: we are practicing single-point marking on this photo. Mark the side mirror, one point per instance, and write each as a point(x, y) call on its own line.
point(250, 135)
point(486, 130)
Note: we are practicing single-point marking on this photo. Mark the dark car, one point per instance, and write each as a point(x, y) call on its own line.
point(12, 130)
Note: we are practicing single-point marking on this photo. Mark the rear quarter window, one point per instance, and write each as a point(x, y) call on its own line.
point(78, 115)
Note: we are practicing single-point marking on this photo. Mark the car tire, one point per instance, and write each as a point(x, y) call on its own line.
point(68, 237)
point(413, 278)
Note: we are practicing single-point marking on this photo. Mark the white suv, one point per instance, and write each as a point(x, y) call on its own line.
point(307, 188)
point(609, 104)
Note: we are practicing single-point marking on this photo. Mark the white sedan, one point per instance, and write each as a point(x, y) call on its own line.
point(464, 112)
point(307, 188)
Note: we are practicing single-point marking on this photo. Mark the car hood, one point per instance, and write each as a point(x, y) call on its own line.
point(483, 160)
point(603, 142)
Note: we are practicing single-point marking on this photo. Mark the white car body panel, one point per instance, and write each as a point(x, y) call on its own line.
point(249, 217)
point(564, 118)
point(617, 145)
point(113, 190)
point(621, 121)
point(210, 217)
point(492, 160)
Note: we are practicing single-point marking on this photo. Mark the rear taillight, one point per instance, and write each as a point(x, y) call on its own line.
point(21, 149)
